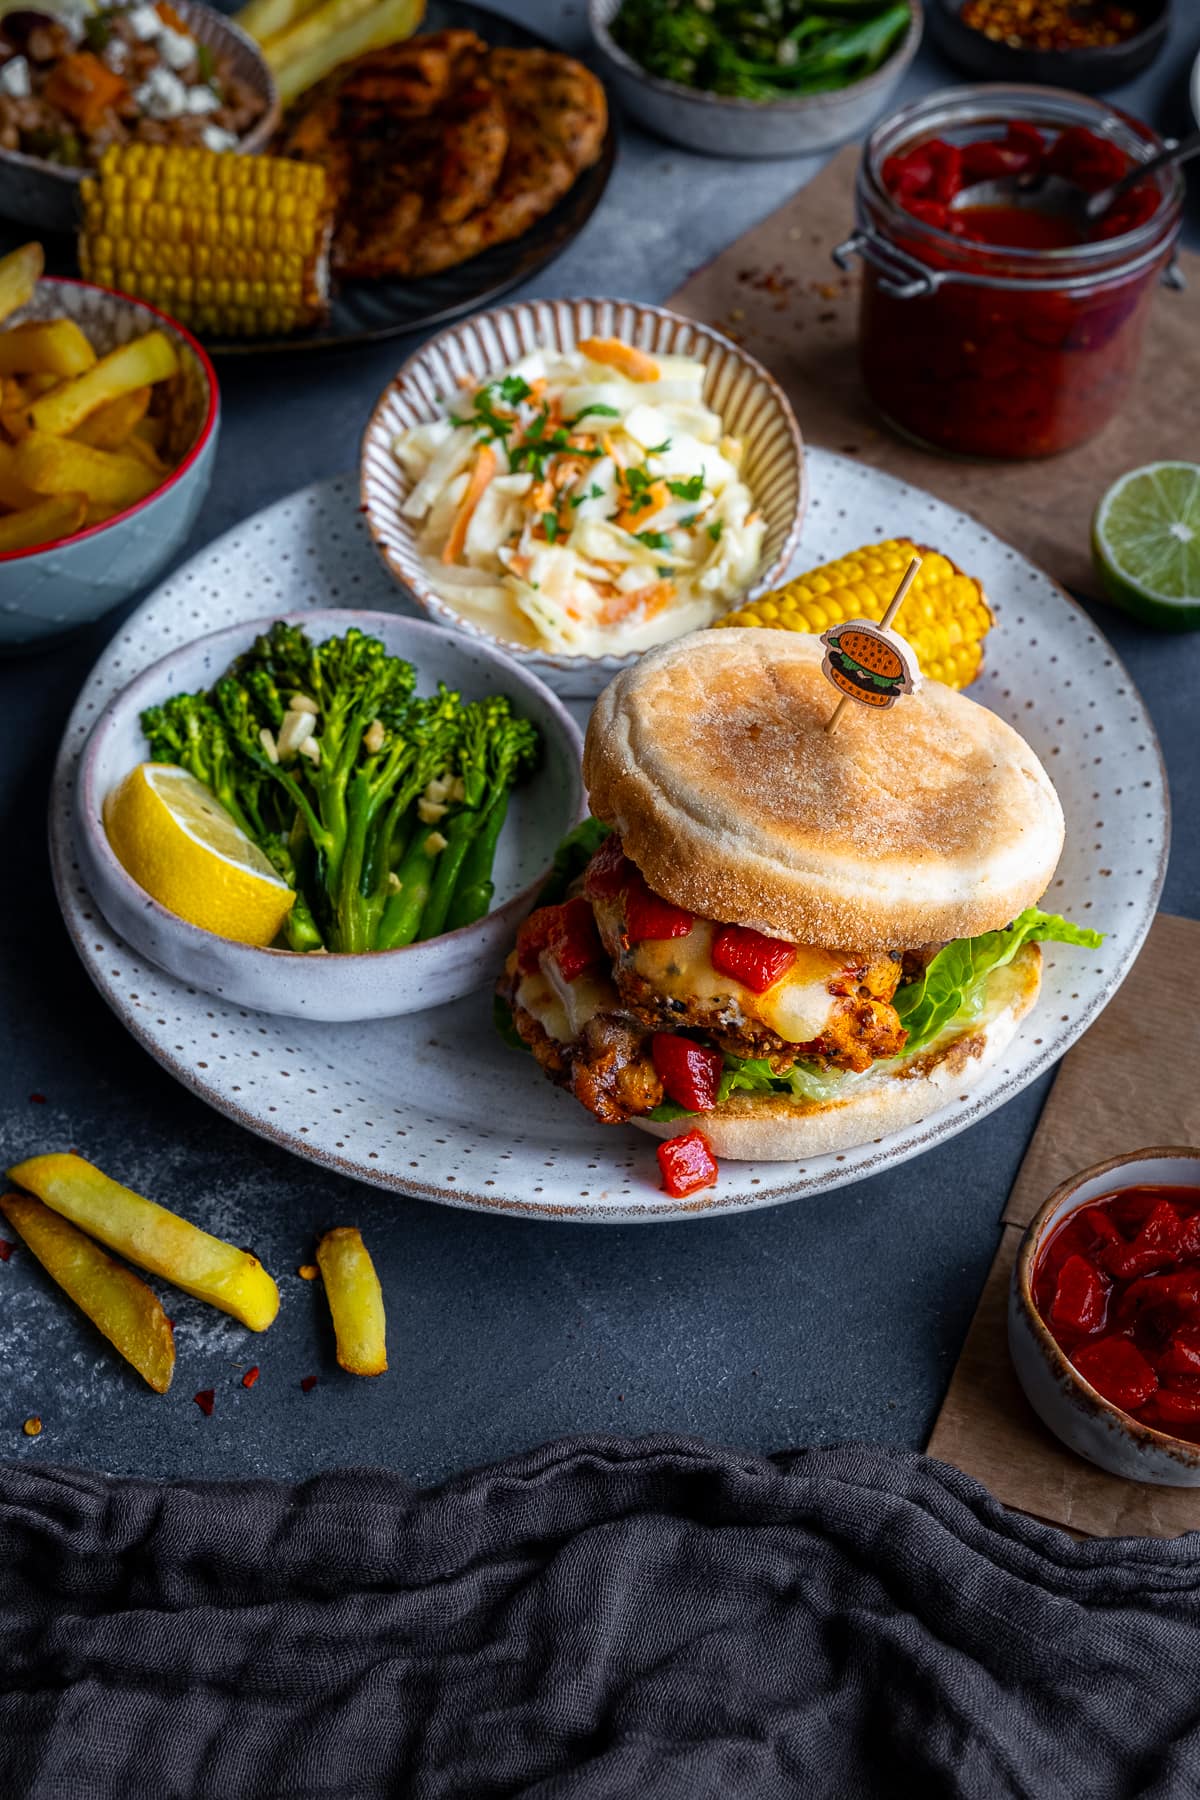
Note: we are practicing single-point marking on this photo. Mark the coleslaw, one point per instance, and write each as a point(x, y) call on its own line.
point(583, 501)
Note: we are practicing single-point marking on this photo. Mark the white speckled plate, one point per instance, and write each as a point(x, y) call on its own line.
point(434, 1104)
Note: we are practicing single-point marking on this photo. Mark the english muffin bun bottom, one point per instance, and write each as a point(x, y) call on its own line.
point(777, 1128)
point(930, 821)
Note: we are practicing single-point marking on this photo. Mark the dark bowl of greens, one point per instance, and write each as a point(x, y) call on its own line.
point(415, 839)
point(756, 78)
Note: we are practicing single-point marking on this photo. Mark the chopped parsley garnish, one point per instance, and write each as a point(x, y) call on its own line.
point(605, 412)
point(654, 540)
point(714, 530)
point(659, 449)
point(550, 526)
point(691, 489)
point(595, 492)
point(663, 571)
point(513, 389)
point(688, 519)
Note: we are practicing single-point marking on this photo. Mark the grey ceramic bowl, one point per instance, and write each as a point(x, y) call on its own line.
point(337, 988)
point(719, 126)
point(45, 592)
point(46, 195)
point(1072, 1409)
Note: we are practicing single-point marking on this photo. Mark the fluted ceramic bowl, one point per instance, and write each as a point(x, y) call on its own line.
point(379, 984)
point(1064, 1401)
point(55, 587)
point(46, 194)
point(751, 403)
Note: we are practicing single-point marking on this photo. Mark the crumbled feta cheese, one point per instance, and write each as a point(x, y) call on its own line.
point(144, 23)
point(71, 14)
point(216, 138)
point(202, 100)
point(176, 49)
point(14, 79)
point(115, 54)
point(162, 95)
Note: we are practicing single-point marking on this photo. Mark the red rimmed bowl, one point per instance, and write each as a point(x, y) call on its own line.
point(1062, 1398)
point(57, 587)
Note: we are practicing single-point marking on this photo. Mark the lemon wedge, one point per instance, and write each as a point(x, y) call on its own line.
point(178, 842)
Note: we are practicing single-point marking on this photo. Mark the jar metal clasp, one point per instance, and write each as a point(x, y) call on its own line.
point(901, 274)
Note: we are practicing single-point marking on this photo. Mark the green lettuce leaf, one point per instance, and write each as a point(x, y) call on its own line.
point(954, 982)
point(570, 860)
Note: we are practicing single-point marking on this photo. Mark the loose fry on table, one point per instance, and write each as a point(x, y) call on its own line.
point(152, 1237)
point(53, 465)
point(355, 1300)
point(45, 347)
point(263, 19)
point(312, 28)
point(387, 24)
point(108, 428)
point(138, 364)
point(44, 523)
point(20, 272)
point(117, 1301)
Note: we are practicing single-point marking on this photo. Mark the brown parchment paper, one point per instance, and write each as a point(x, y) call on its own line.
point(776, 291)
point(1130, 1082)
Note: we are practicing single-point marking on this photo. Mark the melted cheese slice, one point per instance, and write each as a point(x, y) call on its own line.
point(563, 1008)
point(797, 1007)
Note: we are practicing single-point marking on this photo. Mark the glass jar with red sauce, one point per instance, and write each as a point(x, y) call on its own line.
point(1117, 1285)
point(993, 332)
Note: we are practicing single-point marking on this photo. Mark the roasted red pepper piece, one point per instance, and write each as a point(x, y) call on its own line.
point(608, 871)
point(1103, 1228)
point(687, 1164)
point(689, 1072)
point(574, 941)
point(206, 1400)
point(648, 915)
point(1182, 1354)
point(1118, 1370)
point(1174, 1408)
point(1091, 162)
point(752, 958)
point(1026, 138)
point(1180, 1290)
point(1156, 1243)
point(533, 937)
point(567, 933)
point(1080, 1299)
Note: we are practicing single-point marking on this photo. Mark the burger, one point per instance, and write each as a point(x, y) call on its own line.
point(865, 665)
point(791, 939)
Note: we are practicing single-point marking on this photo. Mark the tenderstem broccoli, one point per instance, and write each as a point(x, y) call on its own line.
point(382, 809)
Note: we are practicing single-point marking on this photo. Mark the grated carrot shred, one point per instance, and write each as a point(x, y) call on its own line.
point(481, 474)
point(623, 357)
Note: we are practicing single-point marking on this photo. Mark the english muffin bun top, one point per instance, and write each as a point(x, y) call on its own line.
point(932, 820)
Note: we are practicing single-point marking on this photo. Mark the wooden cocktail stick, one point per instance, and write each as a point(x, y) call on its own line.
point(897, 601)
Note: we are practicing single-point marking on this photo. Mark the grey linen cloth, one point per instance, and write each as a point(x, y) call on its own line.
point(603, 1618)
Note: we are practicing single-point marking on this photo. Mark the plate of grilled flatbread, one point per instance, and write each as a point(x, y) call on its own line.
point(460, 161)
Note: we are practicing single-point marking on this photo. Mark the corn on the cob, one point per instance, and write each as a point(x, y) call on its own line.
point(945, 617)
point(235, 246)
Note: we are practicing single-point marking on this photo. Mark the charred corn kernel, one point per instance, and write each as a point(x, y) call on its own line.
point(945, 617)
point(236, 246)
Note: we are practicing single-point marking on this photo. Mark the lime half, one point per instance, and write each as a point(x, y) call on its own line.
point(1146, 541)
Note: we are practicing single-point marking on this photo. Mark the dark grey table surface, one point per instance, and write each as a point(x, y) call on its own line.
point(837, 1317)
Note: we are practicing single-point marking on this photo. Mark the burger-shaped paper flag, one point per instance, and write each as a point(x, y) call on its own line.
point(868, 662)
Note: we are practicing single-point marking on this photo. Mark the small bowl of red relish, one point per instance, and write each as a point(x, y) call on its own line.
point(999, 331)
point(1104, 1315)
